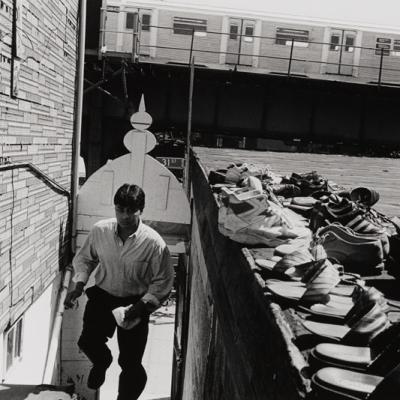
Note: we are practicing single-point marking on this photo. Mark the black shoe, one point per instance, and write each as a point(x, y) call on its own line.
point(216, 177)
point(97, 376)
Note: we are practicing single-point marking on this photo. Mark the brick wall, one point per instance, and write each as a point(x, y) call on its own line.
point(36, 126)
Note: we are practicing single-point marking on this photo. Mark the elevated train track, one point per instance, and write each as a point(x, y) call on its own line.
point(300, 101)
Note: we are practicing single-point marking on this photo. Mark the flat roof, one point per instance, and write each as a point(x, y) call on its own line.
point(380, 174)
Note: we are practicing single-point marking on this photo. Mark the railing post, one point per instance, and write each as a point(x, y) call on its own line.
point(102, 33)
point(135, 38)
point(191, 47)
point(240, 42)
point(187, 180)
point(290, 58)
point(380, 69)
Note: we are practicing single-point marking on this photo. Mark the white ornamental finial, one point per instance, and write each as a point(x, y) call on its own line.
point(141, 120)
point(142, 106)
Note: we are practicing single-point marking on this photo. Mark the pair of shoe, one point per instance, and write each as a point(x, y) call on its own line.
point(308, 183)
point(286, 190)
point(348, 213)
point(336, 383)
point(247, 216)
point(357, 252)
point(354, 372)
point(237, 172)
point(233, 174)
point(361, 324)
point(319, 285)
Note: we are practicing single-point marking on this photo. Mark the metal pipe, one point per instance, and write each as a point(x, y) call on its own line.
point(135, 36)
point(189, 129)
point(102, 33)
point(380, 68)
point(105, 91)
point(76, 146)
point(291, 56)
point(14, 54)
point(191, 48)
point(124, 85)
point(40, 174)
point(105, 80)
point(341, 53)
point(55, 333)
point(240, 42)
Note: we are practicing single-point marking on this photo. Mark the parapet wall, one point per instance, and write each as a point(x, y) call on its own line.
point(239, 346)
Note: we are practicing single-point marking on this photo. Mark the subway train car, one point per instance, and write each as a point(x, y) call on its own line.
point(163, 32)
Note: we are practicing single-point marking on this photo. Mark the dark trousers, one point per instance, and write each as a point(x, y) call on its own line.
point(99, 325)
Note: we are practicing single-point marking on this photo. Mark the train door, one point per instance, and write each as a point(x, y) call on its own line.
point(143, 30)
point(341, 52)
point(240, 45)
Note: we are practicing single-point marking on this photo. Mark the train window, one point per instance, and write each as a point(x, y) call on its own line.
point(146, 22)
point(334, 46)
point(396, 48)
point(286, 36)
point(129, 20)
point(248, 33)
point(233, 32)
point(383, 46)
point(186, 26)
point(349, 44)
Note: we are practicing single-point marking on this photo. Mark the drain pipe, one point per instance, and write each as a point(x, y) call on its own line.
point(76, 146)
point(55, 333)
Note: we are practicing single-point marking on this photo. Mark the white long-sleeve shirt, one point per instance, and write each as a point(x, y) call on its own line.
point(140, 266)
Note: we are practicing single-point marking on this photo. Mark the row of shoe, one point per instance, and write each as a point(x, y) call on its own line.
point(357, 358)
point(359, 347)
point(361, 370)
point(319, 240)
point(359, 351)
point(256, 210)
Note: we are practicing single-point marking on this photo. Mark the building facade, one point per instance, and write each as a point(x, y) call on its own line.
point(38, 58)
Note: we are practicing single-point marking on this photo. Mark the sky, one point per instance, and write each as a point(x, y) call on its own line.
point(385, 13)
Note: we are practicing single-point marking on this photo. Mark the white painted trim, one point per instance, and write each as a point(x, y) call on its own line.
point(224, 40)
point(325, 50)
point(153, 32)
point(257, 42)
point(120, 28)
point(357, 53)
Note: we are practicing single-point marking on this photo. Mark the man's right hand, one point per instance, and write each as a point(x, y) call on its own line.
point(71, 297)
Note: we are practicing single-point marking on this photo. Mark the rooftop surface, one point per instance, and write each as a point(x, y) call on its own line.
point(380, 174)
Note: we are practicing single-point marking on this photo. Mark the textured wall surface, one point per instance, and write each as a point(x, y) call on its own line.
point(36, 127)
point(237, 348)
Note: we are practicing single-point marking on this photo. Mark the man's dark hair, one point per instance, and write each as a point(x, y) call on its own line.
point(130, 196)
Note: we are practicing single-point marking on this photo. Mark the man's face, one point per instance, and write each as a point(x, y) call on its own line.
point(127, 217)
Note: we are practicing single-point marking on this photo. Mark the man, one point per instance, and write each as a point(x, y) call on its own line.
point(134, 271)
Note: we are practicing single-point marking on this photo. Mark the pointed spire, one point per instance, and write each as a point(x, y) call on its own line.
point(142, 106)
